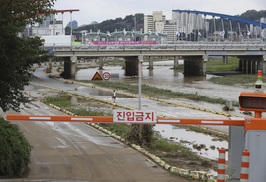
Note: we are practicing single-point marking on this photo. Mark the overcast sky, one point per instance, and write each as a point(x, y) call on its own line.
point(100, 10)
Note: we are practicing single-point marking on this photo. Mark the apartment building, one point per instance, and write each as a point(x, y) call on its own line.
point(154, 21)
point(180, 23)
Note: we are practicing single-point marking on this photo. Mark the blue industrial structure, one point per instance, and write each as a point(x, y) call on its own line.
point(239, 19)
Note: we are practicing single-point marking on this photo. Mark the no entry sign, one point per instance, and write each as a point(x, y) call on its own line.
point(125, 116)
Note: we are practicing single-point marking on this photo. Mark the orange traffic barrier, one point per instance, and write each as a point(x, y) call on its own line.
point(245, 166)
point(97, 119)
point(221, 166)
point(255, 124)
point(200, 121)
point(106, 119)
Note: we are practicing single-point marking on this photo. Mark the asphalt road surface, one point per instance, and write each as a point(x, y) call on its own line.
point(75, 151)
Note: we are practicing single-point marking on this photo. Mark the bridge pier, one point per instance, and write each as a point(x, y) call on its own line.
point(69, 67)
point(176, 62)
point(100, 63)
point(251, 64)
point(240, 65)
point(131, 66)
point(245, 66)
point(225, 60)
point(263, 64)
point(254, 67)
point(195, 65)
point(150, 63)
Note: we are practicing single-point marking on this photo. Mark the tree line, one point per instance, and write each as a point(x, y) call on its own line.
point(130, 22)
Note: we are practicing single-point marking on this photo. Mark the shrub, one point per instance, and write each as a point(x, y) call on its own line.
point(140, 134)
point(14, 150)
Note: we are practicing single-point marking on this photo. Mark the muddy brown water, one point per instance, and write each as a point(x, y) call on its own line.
point(163, 76)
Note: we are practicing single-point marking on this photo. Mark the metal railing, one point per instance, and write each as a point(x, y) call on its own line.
point(182, 46)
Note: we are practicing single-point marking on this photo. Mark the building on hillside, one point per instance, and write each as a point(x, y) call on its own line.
point(150, 21)
point(170, 31)
point(154, 23)
point(74, 24)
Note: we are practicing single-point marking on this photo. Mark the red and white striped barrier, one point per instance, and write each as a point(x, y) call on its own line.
point(126, 119)
point(221, 166)
point(245, 166)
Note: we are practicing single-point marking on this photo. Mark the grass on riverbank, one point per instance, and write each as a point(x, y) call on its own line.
point(178, 155)
point(236, 80)
point(217, 65)
point(157, 92)
point(58, 101)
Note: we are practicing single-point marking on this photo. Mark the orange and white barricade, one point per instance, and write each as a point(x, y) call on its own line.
point(245, 166)
point(221, 166)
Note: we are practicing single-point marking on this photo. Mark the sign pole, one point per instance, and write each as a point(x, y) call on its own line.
point(140, 65)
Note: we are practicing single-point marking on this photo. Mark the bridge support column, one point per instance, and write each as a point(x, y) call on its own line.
point(176, 62)
point(100, 63)
point(258, 65)
point(195, 65)
point(225, 59)
point(150, 63)
point(249, 66)
point(245, 67)
point(253, 70)
point(204, 64)
point(131, 66)
point(69, 67)
point(263, 65)
point(240, 65)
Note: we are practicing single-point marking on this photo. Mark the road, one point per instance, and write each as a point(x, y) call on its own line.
point(75, 151)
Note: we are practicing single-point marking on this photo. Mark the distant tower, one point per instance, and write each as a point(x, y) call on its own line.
point(74, 24)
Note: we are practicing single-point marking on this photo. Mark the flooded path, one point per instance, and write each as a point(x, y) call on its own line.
point(203, 145)
point(162, 76)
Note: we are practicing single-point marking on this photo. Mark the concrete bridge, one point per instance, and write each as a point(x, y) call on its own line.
point(251, 55)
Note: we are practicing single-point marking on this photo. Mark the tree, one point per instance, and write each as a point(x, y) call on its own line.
point(18, 55)
point(116, 24)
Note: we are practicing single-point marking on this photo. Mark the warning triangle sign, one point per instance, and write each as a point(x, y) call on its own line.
point(97, 76)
